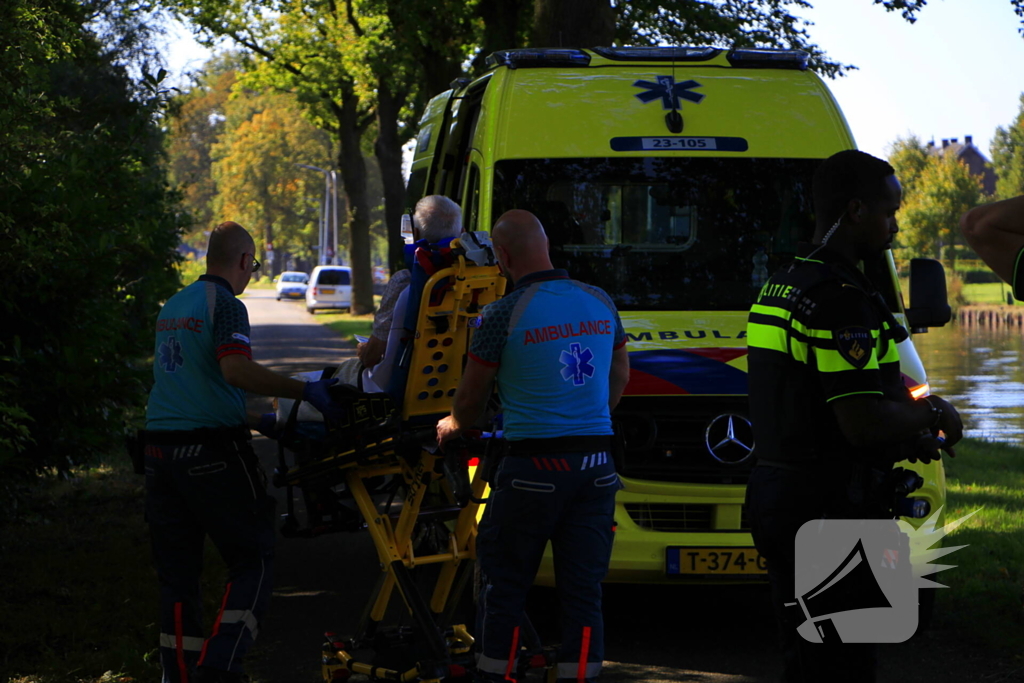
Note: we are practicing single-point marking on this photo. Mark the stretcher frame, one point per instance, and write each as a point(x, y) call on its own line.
point(403, 450)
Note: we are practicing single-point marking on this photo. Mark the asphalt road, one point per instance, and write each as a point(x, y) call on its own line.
point(706, 634)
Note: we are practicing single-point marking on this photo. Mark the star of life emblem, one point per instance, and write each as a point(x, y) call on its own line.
point(668, 91)
point(170, 355)
point(576, 364)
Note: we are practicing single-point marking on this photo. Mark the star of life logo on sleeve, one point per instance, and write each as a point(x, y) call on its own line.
point(576, 364)
point(170, 355)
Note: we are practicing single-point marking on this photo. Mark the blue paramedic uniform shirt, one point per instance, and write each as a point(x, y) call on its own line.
point(552, 340)
point(197, 327)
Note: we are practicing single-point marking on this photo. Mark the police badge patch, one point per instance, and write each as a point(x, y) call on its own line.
point(854, 345)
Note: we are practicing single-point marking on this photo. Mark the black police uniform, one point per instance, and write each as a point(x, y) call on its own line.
point(818, 333)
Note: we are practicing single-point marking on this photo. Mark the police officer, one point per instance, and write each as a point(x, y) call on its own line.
point(996, 232)
point(557, 350)
point(828, 405)
point(202, 477)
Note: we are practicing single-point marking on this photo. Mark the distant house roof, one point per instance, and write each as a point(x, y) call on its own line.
point(977, 163)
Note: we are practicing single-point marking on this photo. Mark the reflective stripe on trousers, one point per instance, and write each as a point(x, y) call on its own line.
point(571, 505)
point(217, 491)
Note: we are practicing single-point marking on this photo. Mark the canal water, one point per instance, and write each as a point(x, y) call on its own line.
point(980, 370)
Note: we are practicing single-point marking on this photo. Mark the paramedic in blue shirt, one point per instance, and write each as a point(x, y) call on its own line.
point(202, 477)
point(557, 350)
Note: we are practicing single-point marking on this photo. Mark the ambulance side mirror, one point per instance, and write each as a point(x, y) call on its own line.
point(929, 304)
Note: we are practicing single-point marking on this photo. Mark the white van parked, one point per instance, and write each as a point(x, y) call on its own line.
point(329, 287)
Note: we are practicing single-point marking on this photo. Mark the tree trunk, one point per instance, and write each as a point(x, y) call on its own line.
point(572, 23)
point(353, 174)
point(270, 270)
point(503, 20)
point(388, 148)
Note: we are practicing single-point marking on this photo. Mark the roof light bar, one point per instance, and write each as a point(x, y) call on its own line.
point(658, 54)
point(768, 59)
point(534, 58)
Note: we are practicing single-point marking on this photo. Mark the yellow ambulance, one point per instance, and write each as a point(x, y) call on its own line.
point(676, 179)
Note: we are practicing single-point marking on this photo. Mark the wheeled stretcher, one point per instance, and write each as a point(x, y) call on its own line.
point(387, 446)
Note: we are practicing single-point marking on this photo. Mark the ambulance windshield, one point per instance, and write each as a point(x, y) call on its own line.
point(666, 233)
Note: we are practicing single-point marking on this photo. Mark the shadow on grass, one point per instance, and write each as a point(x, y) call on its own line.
point(80, 600)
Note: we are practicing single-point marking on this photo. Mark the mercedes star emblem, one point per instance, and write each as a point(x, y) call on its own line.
point(730, 439)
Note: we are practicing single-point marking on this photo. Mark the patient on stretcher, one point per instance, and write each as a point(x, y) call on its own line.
point(389, 375)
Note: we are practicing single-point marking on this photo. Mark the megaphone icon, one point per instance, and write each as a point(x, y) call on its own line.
point(851, 586)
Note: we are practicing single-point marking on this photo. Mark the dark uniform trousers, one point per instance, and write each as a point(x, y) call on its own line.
point(216, 489)
point(779, 502)
point(568, 498)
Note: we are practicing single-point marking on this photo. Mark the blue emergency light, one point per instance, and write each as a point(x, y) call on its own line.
point(533, 58)
point(658, 54)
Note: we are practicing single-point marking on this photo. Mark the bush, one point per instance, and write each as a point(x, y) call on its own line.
point(190, 268)
point(89, 228)
point(974, 277)
point(955, 291)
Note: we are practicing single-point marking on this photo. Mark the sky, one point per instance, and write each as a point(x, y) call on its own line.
point(957, 71)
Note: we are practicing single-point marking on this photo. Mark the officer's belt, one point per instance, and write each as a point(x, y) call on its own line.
point(204, 435)
point(560, 444)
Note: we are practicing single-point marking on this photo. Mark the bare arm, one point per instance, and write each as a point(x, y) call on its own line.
point(996, 232)
point(619, 376)
point(470, 401)
point(249, 375)
point(867, 420)
point(371, 351)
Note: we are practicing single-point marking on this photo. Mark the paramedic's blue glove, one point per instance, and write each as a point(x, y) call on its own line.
point(267, 426)
point(316, 395)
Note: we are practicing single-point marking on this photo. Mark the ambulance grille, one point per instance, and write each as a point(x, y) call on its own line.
point(677, 517)
point(665, 439)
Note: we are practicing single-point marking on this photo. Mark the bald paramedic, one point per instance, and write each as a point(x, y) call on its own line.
point(202, 477)
point(556, 349)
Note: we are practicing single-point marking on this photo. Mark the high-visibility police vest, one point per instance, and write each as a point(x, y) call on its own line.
point(817, 334)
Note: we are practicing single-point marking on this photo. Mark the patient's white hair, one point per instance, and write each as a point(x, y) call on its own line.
point(437, 217)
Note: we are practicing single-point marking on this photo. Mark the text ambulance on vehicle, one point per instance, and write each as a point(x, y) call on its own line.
point(677, 180)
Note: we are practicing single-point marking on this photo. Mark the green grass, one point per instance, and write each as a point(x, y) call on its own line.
point(80, 600)
point(986, 293)
point(262, 283)
point(986, 589)
point(348, 325)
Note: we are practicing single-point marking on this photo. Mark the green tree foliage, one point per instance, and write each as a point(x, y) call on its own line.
point(910, 158)
point(300, 48)
point(257, 181)
point(89, 229)
point(407, 52)
point(367, 66)
point(197, 119)
point(586, 23)
point(937, 190)
point(1008, 157)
